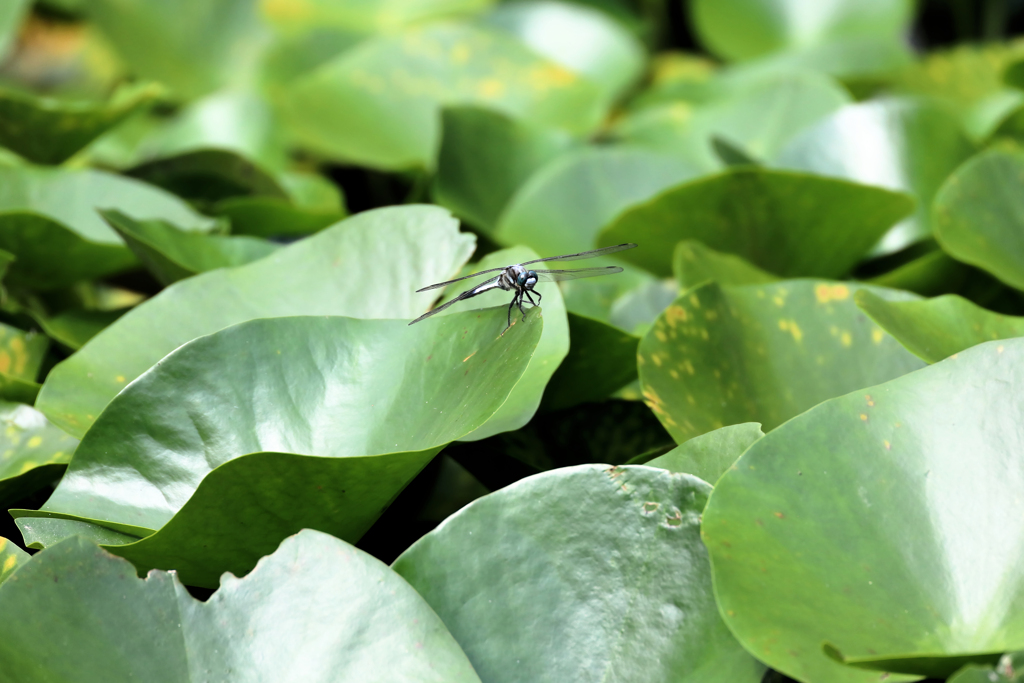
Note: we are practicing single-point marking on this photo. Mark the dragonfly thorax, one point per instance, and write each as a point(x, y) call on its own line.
point(516, 278)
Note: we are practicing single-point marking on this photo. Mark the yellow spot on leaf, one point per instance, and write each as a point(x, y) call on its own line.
point(825, 293)
point(662, 337)
point(675, 375)
point(845, 339)
point(864, 417)
point(999, 349)
point(675, 314)
point(460, 53)
point(657, 359)
point(491, 88)
point(888, 445)
point(468, 357)
point(26, 466)
point(779, 301)
point(694, 301)
point(871, 401)
point(120, 378)
point(877, 335)
point(5, 361)
point(34, 442)
point(9, 563)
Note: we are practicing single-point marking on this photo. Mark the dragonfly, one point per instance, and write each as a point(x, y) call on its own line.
point(521, 280)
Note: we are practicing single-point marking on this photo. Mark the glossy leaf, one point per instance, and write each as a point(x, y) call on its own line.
point(694, 264)
point(528, 600)
point(846, 508)
point(761, 353)
point(601, 360)
point(366, 266)
point(793, 224)
point(33, 452)
point(710, 455)
point(580, 38)
point(485, 157)
point(377, 104)
point(48, 220)
point(934, 329)
point(760, 119)
point(563, 206)
point(47, 130)
point(899, 144)
point(172, 254)
point(979, 214)
point(11, 557)
point(317, 609)
point(327, 457)
point(743, 29)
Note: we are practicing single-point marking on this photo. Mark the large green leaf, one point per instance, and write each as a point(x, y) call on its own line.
point(580, 38)
point(33, 452)
point(364, 16)
point(11, 557)
point(367, 266)
point(73, 327)
point(48, 130)
point(21, 357)
point(762, 353)
point(793, 224)
point(979, 214)
point(313, 203)
point(515, 578)
point(1009, 669)
point(222, 462)
point(485, 156)
point(11, 13)
point(838, 526)
point(193, 46)
point(710, 455)
point(48, 220)
point(900, 144)
point(377, 104)
point(316, 610)
point(563, 206)
point(173, 254)
point(935, 329)
point(759, 119)
point(743, 29)
point(695, 264)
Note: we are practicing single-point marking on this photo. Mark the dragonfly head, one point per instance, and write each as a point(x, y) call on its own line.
point(527, 279)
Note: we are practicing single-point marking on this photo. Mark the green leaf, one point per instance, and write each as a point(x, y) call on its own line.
point(176, 452)
point(582, 39)
point(377, 104)
point(11, 557)
point(979, 214)
point(601, 360)
point(366, 266)
point(74, 327)
point(761, 353)
point(317, 608)
point(760, 118)
point(629, 301)
point(49, 131)
point(846, 508)
point(899, 144)
point(193, 46)
point(930, 274)
point(485, 157)
point(563, 206)
point(934, 329)
point(708, 456)
point(744, 29)
point(11, 14)
point(792, 224)
point(694, 264)
point(48, 220)
point(33, 452)
point(367, 16)
point(1009, 669)
point(173, 254)
point(515, 578)
point(209, 176)
point(21, 356)
point(314, 203)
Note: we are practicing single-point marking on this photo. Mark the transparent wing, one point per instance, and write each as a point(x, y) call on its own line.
point(575, 274)
point(460, 279)
point(468, 294)
point(584, 254)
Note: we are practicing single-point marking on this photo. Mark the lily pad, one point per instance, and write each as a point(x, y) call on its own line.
point(368, 16)
point(528, 600)
point(11, 557)
point(485, 157)
point(793, 224)
point(934, 329)
point(979, 215)
point(47, 130)
point(377, 104)
point(563, 206)
point(172, 254)
point(366, 266)
point(21, 356)
point(930, 274)
point(74, 327)
point(694, 264)
point(217, 495)
point(710, 455)
point(317, 608)
point(762, 353)
point(846, 508)
point(48, 220)
point(904, 145)
point(209, 175)
point(33, 452)
point(313, 204)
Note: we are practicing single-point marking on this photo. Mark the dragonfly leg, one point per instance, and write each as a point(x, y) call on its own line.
point(521, 307)
point(514, 297)
point(530, 298)
point(539, 297)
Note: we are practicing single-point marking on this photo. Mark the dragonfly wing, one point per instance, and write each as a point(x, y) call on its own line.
point(468, 294)
point(460, 279)
point(575, 274)
point(584, 254)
